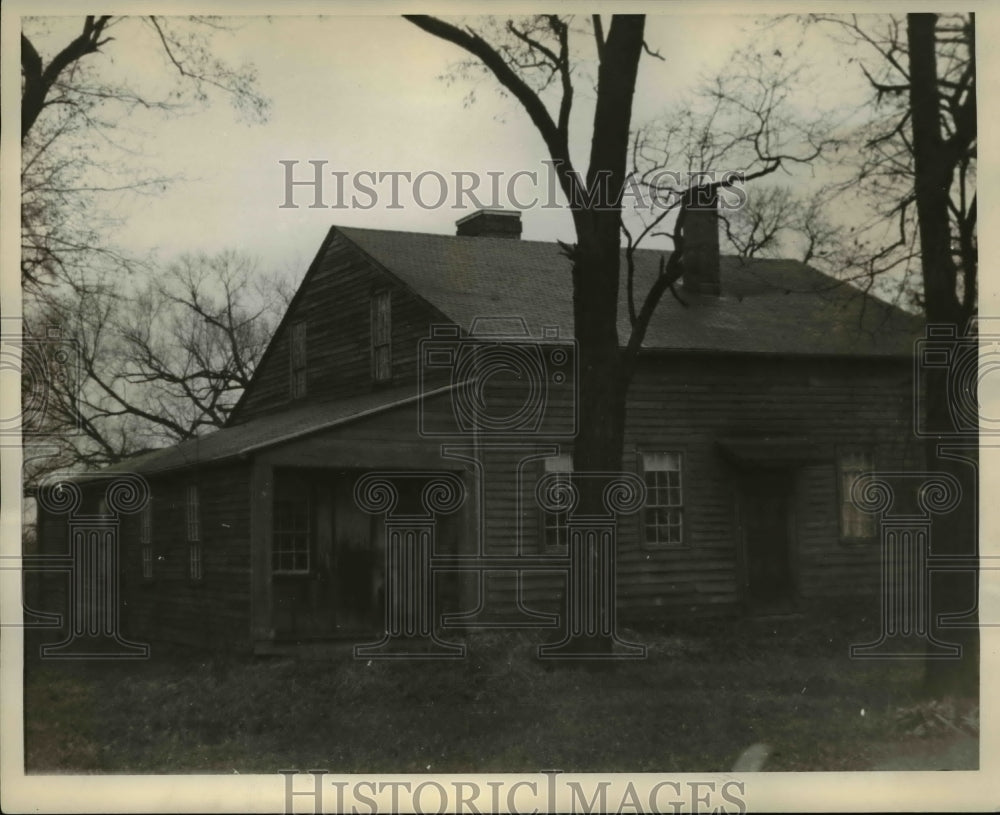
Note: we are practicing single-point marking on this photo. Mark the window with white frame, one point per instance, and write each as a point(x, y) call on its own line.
point(382, 336)
point(291, 534)
point(146, 538)
point(297, 360)
point(555, 533)
point(194, 533)
point(663, 514)
point(854, 523)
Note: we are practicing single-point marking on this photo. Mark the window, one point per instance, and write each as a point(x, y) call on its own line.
point(382, 336)
point(854, 523)
point(555, 533)
point(193, 533)
point(195, 561)
point(297, 360)
point(663, 515)
point(146, 538)
point(290, 553)
point(193, 529)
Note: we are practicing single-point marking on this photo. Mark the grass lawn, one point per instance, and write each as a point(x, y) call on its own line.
point(703, 695)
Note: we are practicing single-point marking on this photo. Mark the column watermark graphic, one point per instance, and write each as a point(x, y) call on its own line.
point(506, 400)
point(591, 607)
point(409, 580)
point(906, 560)
point(91, 563)
point(952, 367)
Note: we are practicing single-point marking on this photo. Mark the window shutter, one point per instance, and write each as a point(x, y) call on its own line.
point(298, 345)
point(297, 360)
point(381, 331)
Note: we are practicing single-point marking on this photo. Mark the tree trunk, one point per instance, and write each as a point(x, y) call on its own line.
point(602, 390)
point(954, 534)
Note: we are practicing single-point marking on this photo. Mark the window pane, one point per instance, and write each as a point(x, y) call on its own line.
point(853, 522)
point(661, 461)
point(381, 330)
point(662, 520)
point(562, 463)
point(192, 513)
point(382, 363)
point(291, 534)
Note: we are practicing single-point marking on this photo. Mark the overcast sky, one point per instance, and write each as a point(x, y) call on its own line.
point(367, 94)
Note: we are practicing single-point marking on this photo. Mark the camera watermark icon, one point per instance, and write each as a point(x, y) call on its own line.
point(504, 382)
point(47, 371)
point(966, 366)
point(92, 563)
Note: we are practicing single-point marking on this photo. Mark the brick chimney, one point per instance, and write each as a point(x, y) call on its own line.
point(701, 242)
point(490, 223)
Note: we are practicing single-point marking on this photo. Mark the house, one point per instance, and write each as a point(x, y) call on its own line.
point(761, 392)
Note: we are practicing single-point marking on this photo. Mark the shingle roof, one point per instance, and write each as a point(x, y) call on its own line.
point(264, 431)
point(767, 306)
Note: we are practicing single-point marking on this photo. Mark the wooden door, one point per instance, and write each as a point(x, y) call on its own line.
point(765, 513)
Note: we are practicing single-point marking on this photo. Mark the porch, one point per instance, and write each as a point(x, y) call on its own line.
point(319, 554)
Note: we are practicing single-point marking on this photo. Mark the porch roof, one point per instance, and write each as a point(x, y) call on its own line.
point(774, 451)
point(268, 431)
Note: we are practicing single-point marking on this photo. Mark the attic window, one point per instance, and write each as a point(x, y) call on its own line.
point(297, 360)
point(382, 336)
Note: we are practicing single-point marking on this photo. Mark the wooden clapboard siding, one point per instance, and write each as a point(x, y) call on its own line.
point(678, 402)
point(335, 304)
point(171, 607)
point(688, 403)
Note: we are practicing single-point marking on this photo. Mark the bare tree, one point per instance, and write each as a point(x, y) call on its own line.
point(738, 129)
point(539, 61)
point(74, 114)
point(913, 165)
point(917, 165)
point(531, 58)
point(159, 364)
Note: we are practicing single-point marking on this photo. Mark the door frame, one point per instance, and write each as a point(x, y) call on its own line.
point(789, 475)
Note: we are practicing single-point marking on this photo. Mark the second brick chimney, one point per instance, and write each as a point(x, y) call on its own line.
point(490, 223)
point(701, 242)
